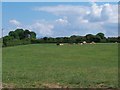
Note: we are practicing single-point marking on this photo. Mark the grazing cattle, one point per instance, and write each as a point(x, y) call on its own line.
point(81, 43)
point(59, 44)
point(84, 42)
point(93, 42)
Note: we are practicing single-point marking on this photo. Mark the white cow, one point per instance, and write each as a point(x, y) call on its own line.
point(84, 42)
point(61, 44)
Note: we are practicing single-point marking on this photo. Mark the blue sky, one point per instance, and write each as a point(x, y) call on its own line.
point(56, 19)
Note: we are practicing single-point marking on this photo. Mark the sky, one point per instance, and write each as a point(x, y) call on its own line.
point(59, 19)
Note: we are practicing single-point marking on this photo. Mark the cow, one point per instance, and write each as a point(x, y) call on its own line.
point(59, 44)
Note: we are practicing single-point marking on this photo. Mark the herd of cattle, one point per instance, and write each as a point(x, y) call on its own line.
point(84, 42)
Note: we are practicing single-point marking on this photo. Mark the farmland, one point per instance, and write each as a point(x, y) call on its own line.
point(49, 65)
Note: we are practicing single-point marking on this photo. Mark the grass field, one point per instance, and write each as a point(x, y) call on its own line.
point(48, 65)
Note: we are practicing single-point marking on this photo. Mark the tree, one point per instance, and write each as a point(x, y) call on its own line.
point(113, 39)
point(80, 39)
point(101, 35)
point(96, 38)
point(59, 40)
point(6, 39)
point(20, 33)
point(19, 37)
point(73, 39)
point(13, 34)
point(89, 37)
point(66, 39)
point(32, 35)
point(51, 40)
point(45, 38)
point(26, 34)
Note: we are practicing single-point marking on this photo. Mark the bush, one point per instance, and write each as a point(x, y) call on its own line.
point(16, 42)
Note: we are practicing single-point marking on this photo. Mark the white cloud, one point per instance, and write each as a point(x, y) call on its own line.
point(79, 20)
point(63, 9)
point(94, 0)
point(63, 21)
point(84, 19)
point(14, 22)
point(109, 13)
point(42, 29)
point(94, 13)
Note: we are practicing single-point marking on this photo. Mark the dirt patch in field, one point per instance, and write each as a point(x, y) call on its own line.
point(8, 85)
point(53, 86)
point(101, 85)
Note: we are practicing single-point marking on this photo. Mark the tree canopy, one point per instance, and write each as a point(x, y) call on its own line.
point(22, 34)
point(21, 37)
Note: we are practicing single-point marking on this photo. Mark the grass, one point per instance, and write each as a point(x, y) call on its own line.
point(48, 65)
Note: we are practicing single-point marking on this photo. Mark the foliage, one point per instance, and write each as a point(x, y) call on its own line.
point(98, 38)
point(113, 39)
point(101, 35)
point(21, 37)
point(18, 37)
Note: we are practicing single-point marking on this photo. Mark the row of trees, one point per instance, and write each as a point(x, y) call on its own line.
point(20, 37)
point(98, 38)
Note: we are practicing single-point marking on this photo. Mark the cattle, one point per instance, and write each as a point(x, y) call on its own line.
point(81, 43)
point(93, 42)
point(84, 42)
point(59, 44)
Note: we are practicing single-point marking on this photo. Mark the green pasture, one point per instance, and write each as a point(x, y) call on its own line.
point(52, 66)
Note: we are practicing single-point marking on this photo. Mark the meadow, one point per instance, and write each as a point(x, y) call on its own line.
point(52, 66)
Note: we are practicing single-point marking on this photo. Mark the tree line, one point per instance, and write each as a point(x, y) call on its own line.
point(22, 37)
point(18, 37)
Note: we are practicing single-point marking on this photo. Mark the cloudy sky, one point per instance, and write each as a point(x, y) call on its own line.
point(56, 19)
